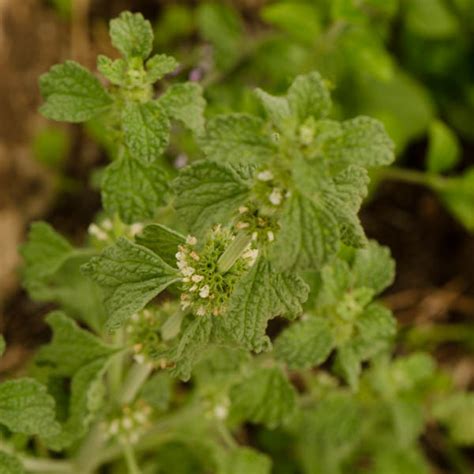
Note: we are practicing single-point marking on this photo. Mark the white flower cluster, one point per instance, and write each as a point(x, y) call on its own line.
point(104, 231)
point(199, 275)
point(276, 194)
point(131, 424)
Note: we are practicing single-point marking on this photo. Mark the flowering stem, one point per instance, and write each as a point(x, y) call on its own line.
point(233, 252)
point(130, 459)
point(135, 379)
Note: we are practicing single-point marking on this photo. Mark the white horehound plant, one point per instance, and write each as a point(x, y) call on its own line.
point(183, 272)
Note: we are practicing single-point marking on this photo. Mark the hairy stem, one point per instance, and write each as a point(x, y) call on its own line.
point(413, 177)
point(47, 466)
point(87, 452)
point(134, 381)
point(233, 252)
point(130, 459)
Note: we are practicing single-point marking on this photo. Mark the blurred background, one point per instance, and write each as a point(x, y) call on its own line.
point(409, 63)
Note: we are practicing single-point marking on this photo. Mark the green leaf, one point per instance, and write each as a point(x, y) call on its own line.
point(131, 276)
point(305, 344)
point(276, 108)
point(72, 94)
point(79, 296)
point(457, 413)
point(308, 96)
point(309, 235)
point(246, 460)
point(458, 196)
point(133, 189)
point(431, 19)
point(184, 102)
point(373, 267)
point(266, 397)
point(86, 397)
point(158, 66)
point(162, 240)
point(237, 138)
point(221, 25)
point(208, 193)
point(443, 150)
point(363, 141)
point(146, 130)
point(157, 391)
point(333, 429)
point(259, 296)
point(115, 70)
point(375, 329)
point(44, 253)
point(300, 20)
point(344, 199)
point(26, 407)
point(132, 35)
point(10, 464)
point(71, 347)
point(400, 461)
point(191, 347)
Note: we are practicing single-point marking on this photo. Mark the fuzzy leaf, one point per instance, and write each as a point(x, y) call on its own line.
point(158, 66)
point(133, 189)
point(72, 94)
point(190, 347)
point(10, 464)
point(277, 108)
point(131, 276)
point(305, 344)
point(115, 70)
point(308, 96)
point(184, 102)
point(246, 460)
point(457, 413)
point(207, 193)
point(26, 407)
point(363, 141)
point(265, 397)
point(259, 296)
point(344, 199)
point(308, 237)
point(236, 138)
point(162, 240)
point(132, 35)
point(373, 267)
point(71, 347)
point(44, 253)
point(87, 394)
point(146, 130)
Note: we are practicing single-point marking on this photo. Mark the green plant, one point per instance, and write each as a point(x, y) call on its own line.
point(246, 273)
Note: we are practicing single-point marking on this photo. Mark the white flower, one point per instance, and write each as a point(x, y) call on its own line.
point(107, 224)
point(193, 288)
point(251, 254)
point(191, 240)
point(197, 278)
point(201, 311)
point(114, 427)
point(220, 412)
point(242, 225)
point(127, 423)
point(271, 236)
point(136, 228)
point(243, 209)
point(194, 256)
point(266, 175)
point(97, 232)
point(187, 271)
point(275, 197)
point(204, 292)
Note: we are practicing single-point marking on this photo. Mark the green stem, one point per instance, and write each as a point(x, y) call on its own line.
point(134, 381)
point(130, 459)
point(412, 176)
point(226, 435)
point(233, 252)
point(87, 452)
point(47, 466)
